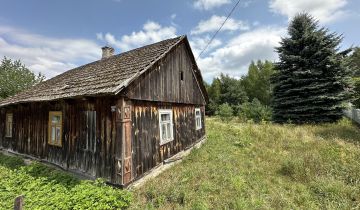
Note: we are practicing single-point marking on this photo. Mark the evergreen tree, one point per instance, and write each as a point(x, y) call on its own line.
point(354, 61)
point(311, 81)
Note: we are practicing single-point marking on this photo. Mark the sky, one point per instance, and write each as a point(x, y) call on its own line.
point(54, 36)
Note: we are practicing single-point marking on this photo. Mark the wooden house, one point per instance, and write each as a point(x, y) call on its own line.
point(116, 118)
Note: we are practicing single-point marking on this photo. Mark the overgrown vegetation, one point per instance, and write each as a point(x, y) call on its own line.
point(47, 188)
point(263, 166)
point(255, 87)
point(255, 111)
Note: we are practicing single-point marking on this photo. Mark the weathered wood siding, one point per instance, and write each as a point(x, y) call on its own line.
point(147, 152)
point(30, 135)
point(163, 82)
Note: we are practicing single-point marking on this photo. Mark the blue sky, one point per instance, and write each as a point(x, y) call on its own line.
point(54, 36)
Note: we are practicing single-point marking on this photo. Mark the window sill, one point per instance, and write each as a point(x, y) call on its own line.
point(56, 145)
point(165, 142)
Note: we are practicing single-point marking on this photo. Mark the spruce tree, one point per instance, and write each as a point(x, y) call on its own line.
point(311, 82)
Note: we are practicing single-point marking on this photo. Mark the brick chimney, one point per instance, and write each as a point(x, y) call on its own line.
point(107, 52)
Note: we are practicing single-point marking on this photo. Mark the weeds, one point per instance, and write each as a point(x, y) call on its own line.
point(263, 166)
point(48, 188)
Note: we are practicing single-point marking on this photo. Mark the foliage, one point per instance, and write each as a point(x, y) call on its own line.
point(257, 81)
point(356, 101)
point(214, 92)
point(225, 89)
point(263, 166)
point(225, 112)
point(354, 61)
point(311, 81)
point(256, 84)
point(15, 77)
point(231, 91)
point(47, 188)
point(255, 111)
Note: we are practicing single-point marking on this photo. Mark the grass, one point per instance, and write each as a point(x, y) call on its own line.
point(263, 166)
point(48, 188)
point(241, 166)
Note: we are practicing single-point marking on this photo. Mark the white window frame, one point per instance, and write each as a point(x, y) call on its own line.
point(9, 125)
point(171, 137)
point(198, 126)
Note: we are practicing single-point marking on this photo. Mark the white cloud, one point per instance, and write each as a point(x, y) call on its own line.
point(235, 56)
point(151, 32)
point(198, 44)
point(323, 10)
point(209, 4)
point(48, 55)
point(213, 24)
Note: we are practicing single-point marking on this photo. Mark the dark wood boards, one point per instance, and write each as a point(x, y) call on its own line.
point(89, 134)
point(163, 83)
point(147, 151)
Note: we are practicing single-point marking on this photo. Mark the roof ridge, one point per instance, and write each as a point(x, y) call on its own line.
point(111, 57)
point(95, 78)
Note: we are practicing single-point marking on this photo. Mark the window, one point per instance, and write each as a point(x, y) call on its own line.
point(55, 128)
point(9, 125)
point(181, 75)
point(198, 118)
point(166, 126)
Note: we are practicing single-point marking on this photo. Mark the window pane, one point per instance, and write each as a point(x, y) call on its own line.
point(197, 113)
point(9, 118)
point(163, 131)
point(165, 117)
point(53, 134)
point(55, 119)
point(58, 134)
point(9, 129)
point(168, 130)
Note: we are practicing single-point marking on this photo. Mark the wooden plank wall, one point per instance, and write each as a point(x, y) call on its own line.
point(31, 135)
point(163, 84)
point(147, 152)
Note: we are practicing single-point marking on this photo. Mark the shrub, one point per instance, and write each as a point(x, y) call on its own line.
point(255, 111)
point(225, 112)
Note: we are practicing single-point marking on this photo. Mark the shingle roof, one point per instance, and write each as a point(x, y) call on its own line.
point(105, 76)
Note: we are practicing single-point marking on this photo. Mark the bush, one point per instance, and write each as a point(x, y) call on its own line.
point(255, 111)
point(225, 112)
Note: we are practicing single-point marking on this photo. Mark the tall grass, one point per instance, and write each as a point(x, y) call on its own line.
point(263, 166)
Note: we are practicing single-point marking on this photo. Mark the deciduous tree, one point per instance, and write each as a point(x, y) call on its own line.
point(15, 77)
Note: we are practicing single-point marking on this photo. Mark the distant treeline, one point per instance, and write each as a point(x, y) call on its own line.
point(246, 97)
point(312, 82)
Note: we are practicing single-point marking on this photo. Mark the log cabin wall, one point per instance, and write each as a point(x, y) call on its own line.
point(147, 151)
point(88, 140)
point(171, 79)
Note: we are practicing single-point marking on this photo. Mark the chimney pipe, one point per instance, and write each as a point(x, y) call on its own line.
point(107, 51)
